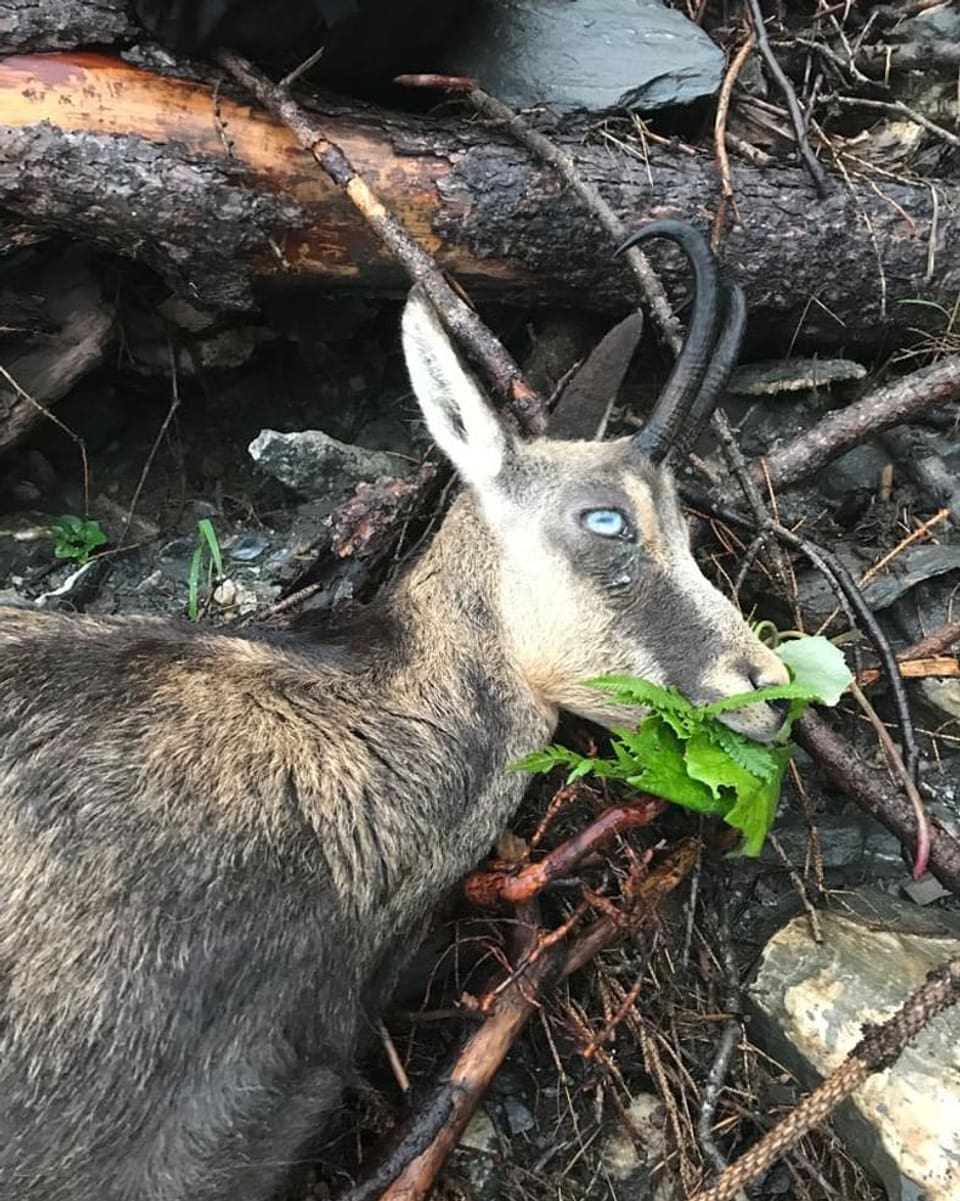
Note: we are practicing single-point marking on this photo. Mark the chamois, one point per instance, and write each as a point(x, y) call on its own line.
point(217, 848)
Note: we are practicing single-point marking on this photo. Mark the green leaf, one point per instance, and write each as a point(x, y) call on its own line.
point(815, 663)
point(794, 691)
point(662, 768)
point(75, 538)
point(546, 760)
point(681, 752)
point(754, 811)
point(755, 757)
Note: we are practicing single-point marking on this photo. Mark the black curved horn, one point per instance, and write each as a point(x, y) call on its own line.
point(670, 412)
point(726, 351)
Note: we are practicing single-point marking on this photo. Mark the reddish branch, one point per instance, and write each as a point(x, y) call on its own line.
point(507, 885)
point(409, 1171)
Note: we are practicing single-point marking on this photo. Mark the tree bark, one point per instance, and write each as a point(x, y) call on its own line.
point(64, 24)
point(219, 199)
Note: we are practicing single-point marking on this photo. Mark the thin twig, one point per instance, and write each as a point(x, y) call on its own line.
point(811, 161)
point(74, 438)
point(161, 434)
point(897, 108)
point(720, 137)
point(895, 761)
point(729, 1039)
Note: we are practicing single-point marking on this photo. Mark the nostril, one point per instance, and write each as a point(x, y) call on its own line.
point(781, 708)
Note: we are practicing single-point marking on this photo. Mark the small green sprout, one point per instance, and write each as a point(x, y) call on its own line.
point(681, 752)
point(206, 558)
point(75, 538)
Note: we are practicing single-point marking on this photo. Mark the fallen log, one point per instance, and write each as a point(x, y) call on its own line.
point(218, 198)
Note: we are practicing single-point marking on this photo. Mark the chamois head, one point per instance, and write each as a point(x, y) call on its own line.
point(594, 573)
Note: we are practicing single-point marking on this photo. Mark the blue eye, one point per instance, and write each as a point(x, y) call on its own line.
point(608, 523)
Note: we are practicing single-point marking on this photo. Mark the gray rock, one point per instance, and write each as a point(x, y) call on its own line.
point(913, 566)
point(943, 695)
point(792, 375)
point(478, 1157)
point(519, 1118)
point(623, 1163)
point(248, 547)
point(586, 54)
point(319, 466)
point(858, 471)
point(809, 1003)
point(926, 890)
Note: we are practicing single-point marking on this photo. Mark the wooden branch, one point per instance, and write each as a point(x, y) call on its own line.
point(44, 369)
point(461, 321)
point(506, 885)
point(877, 795)
point(221, 199)
point(894, 403)
point(411, 1169)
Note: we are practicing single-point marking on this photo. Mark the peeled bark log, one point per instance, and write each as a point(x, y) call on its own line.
point(219, 199)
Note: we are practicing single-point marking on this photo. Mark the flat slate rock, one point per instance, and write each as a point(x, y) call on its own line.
point(808, 1006)
point(585, 54)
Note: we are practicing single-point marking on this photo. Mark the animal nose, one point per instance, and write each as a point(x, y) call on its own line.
point(770, 676)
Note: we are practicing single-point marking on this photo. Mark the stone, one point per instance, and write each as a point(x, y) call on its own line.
point(321, 467)
point(926, 890)
point(943, 695)
point(589, 55)
point(809, 1003)
point(792, 375)
point(478, 1157)
point(248, 547)
point(622, 1162)
point(912, 566)
point(857, 472)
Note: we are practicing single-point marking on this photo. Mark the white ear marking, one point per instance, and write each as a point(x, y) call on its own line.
point(461, 421)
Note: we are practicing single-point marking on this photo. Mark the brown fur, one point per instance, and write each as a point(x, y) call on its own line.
point(216, 851)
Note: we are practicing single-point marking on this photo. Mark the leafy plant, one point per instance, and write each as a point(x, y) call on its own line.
point(76, 538)
point(681, 752)
point(206, 558)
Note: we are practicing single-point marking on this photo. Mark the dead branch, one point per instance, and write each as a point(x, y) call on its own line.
point(880, 1047)
point(219, 198)
point(935, 643)
point(894, 403)
point(462, 322)
point(875, 793)
point(720, 137)
point(810, 160)
point(48, 366)
point(507, 885)
point(410, 1170)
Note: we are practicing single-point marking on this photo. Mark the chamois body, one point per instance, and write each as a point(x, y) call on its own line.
point(216, 850)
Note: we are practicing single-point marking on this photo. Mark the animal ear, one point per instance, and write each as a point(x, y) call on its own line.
point(583, 409)
point(461, 421)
